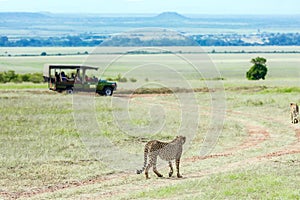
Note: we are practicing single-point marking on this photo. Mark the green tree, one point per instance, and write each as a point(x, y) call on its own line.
point(44, 54)
point(258, 70)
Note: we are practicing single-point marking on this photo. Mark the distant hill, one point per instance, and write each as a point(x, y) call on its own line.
point(22, 15)
point(171, 16)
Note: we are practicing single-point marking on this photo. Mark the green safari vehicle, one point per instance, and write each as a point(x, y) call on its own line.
point(63, 77)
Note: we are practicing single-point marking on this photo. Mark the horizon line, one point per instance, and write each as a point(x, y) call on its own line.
point(135, 13)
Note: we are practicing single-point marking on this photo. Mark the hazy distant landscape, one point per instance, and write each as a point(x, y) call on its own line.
point(20, 29)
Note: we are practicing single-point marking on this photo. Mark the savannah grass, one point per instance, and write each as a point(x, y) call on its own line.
point(41, 146)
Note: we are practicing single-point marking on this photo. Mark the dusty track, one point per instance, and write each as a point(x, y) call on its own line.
point(257, 135)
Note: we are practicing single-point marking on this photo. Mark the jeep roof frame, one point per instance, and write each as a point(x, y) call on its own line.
point(49, 67)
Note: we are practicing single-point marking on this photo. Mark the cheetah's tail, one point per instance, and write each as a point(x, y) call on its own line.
point(146, 150)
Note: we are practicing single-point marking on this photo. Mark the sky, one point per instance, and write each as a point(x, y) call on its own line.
point(154, 6)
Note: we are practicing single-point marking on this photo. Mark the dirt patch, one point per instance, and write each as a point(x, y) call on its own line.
point(256, 136)
point(67, 185)
point(197, 158)
point(132, 96)
point(163, 90)
point(281, 153)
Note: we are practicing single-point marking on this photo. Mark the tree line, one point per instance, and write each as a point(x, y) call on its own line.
point(266, 39)
point(69, 41)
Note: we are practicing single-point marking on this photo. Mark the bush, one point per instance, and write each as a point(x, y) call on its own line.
point(11, 76)
point(17, 79)
point(133, 80)
point(25, 77)
point(36, 78)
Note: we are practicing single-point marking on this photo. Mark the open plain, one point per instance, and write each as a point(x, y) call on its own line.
point(253, 148)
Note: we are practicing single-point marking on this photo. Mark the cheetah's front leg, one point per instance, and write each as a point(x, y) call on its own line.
point(177, 167)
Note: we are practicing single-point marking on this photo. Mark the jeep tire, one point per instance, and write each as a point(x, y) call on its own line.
point(107, 91)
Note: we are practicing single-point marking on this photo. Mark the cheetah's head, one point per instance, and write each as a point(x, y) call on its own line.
point(181, 139)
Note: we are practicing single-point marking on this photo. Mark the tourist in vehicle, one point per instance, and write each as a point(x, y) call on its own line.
point(72, 77)
point(57, 79)
point(63, 76)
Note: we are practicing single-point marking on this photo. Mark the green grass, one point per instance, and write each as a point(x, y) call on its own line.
point(282, 90)
point(230, 66)
point(23, 86)
point(41, 144)
point(249, 184)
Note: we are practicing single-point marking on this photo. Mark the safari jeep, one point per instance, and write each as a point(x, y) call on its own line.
point(62, 77)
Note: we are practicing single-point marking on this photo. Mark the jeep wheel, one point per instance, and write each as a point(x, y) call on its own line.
point(69, 91)
point(108, 91)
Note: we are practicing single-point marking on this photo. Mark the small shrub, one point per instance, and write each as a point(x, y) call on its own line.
point(218, 79)
point(120, 78)
point(124, 79)
point(133, 80)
